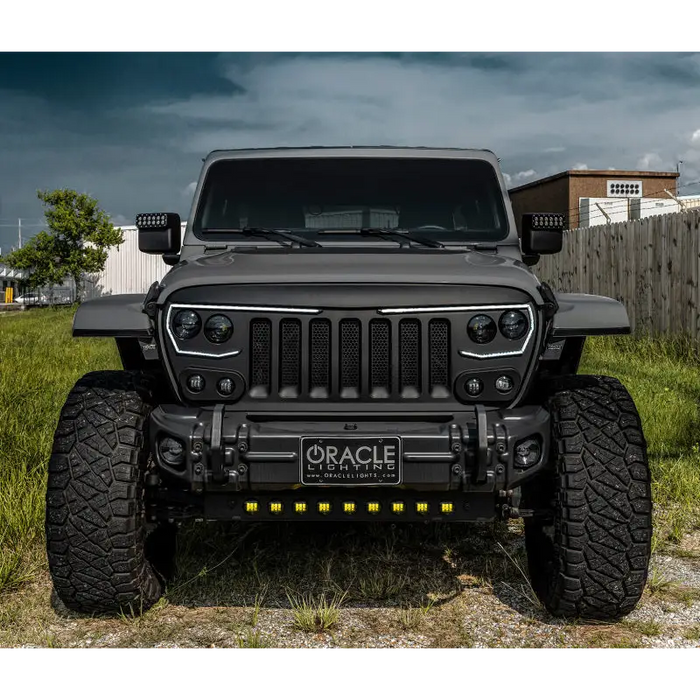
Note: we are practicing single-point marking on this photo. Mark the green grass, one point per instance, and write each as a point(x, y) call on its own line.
point(315, 614)
point(39, 363)
point(663, 377)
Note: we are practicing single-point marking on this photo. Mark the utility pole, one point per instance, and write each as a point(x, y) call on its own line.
point(19, 226)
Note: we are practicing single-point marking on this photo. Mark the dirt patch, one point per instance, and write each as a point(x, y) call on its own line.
point(430, 586)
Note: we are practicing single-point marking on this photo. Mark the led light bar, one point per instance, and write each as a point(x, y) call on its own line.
point(152, 222)
point(547, 222)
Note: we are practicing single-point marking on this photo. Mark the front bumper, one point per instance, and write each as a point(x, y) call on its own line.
point(470, 451)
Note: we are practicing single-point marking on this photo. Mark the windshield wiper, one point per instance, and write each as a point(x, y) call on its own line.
point(387, 233)
point(272, 234)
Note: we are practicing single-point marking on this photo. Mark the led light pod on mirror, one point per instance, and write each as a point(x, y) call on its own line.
point(218, 328)
point(513, 324)
point(481, 329)
point(186, 324)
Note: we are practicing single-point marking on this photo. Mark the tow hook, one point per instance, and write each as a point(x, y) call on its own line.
point(508, 507)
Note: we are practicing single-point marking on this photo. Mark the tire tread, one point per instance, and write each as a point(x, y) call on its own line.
point(95, 520)
point(597, 559)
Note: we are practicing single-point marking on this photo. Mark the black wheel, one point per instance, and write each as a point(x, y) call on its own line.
point(98, 544)
point(591, 559)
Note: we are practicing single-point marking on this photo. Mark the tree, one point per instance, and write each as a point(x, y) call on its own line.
point(78, 241)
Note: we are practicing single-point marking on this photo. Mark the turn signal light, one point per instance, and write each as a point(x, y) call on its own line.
point(300, 507)
point(324, 507)
point(421, 507)
point(373, 507)
point(349, 507)
point(447, 507)
point(398, 507)
point(251, 506)
point(275, 507)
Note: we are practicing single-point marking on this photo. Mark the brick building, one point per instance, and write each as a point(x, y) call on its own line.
point(563, 192)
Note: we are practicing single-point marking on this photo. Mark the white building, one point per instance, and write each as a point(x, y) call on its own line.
point(127, 270)
point(9, 278)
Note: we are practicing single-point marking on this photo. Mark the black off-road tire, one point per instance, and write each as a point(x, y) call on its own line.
point(591, 559)
point(96, 530)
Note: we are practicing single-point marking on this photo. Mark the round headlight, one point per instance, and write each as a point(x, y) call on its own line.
point(218, 329)
point(513, 324)
point(481, 329)
point(186, 324)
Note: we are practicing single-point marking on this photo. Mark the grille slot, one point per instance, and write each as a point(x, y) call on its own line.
point(320, 358)
point(439, 349)
point(380, 359)
point(409, 357)
point(260, 357)
point(290, 357)
point(350, 358)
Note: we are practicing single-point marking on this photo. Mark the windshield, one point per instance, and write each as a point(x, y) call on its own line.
point(448, 200)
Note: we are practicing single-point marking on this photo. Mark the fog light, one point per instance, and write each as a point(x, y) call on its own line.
point(300, 507)
point(195, 383)
point(226, 386)
point(504, 384)
point(421, 507)
point(446, 507)
point(251, 506)
point(398, 507)
point(275, 507)
point(172, 451)
point(349, 507)
point(324, 507)
point(527, 453)
point(473, 386)
point(373, 507)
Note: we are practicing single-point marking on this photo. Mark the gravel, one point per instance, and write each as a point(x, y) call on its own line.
point(494, 610)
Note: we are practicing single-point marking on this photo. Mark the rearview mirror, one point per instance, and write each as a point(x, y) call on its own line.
point(542, 234)
point(159, 234)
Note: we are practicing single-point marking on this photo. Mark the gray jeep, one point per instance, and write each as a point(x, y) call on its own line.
point(350, 334)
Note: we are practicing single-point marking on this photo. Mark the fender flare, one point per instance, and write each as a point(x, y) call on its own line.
point(115, 316)
point(581, 315)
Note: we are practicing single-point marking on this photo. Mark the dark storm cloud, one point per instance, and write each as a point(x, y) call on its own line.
point(132, 128)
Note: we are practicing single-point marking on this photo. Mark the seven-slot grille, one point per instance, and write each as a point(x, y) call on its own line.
point(350, 358)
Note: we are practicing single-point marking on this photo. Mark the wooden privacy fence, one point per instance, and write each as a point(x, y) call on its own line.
point(651, 265)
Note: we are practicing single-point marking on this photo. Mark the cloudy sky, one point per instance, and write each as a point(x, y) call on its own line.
point(131, 129)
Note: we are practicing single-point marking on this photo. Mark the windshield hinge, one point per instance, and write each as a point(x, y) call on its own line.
point(149, 303)
point(550, 305)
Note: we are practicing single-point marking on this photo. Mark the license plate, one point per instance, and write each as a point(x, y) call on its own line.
point(351, 461)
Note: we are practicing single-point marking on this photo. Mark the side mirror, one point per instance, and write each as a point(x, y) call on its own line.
point(159, 234)
point(542, 234)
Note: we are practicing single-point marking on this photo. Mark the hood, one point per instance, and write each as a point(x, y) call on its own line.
point(299, 267)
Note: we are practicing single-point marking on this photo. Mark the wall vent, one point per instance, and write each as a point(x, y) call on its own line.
point(625, 188)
